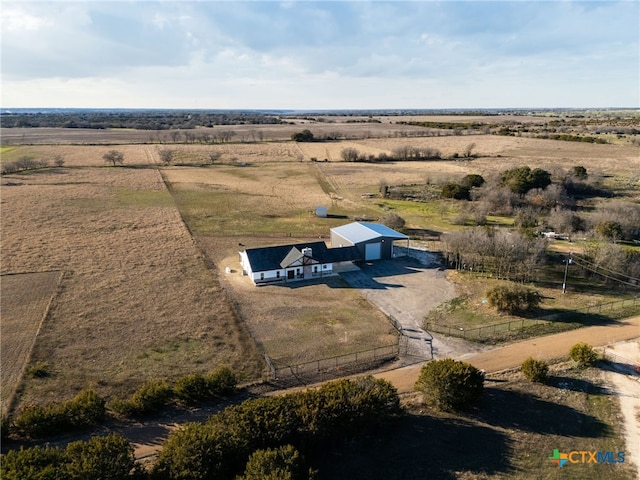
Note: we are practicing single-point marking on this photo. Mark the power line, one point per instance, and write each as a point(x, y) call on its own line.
point(593, 265)
point(608, 276)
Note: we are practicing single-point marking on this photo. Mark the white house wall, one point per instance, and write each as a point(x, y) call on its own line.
point(324, 270)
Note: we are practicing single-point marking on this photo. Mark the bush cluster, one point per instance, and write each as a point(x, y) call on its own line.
point(450, 384)
point(535, 370)
point(513, 298)
point(84, 410)
point(23, 163)
point(522, 179)
point(107, 458)
point(462, 190)
point(153, 396)
point(400, 154)
point(306, 420)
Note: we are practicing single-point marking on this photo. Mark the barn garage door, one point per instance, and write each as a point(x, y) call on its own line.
point(372, 251)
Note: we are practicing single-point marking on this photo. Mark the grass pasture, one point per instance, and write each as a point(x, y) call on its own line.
point(25, 302)
point(237, 200)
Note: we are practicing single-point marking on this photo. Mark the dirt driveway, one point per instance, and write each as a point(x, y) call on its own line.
point(407, 288)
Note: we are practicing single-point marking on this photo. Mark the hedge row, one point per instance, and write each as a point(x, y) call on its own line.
point(153, 396)
point(88, 409)
point(221, 447)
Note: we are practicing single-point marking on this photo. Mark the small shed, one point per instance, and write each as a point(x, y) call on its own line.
point(321, 212)
point(373, 241)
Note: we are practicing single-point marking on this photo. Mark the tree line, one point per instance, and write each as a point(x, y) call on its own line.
point(139, 120)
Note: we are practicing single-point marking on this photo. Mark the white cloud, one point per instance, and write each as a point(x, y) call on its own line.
point(320, 54)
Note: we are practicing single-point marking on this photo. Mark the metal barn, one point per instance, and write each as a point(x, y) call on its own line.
point(373, 240)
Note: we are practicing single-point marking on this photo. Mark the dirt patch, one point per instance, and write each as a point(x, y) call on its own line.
point(25, 302)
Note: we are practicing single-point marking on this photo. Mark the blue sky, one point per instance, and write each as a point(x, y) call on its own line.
point(320, 55)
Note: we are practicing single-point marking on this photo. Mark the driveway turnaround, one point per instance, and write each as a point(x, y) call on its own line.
point(407, 288)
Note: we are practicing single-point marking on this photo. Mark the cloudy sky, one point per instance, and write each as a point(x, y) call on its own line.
point(320, 54)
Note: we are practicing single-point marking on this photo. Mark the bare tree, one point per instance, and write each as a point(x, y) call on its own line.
point(393, 220)
point(214, 157)
point(468, 151)
point(114, 156)
point(349, 154)
point(166, 155)
point(58, 160)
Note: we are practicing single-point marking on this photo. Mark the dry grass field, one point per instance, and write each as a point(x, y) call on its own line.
point(25, 301)
point(137, 299)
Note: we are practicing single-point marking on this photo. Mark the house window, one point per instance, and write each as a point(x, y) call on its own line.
point(315, 269)
point(278, 274)
point(261, 275)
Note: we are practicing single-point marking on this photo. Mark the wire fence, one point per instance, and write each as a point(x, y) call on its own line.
point(331, 367)
point(410, 347)
point(622, 363)
point(488, 331)
point(485, 331)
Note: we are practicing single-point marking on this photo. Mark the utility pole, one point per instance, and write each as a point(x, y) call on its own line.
point(566, 269)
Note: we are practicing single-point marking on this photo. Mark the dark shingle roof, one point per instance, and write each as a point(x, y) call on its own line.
point(274, 258)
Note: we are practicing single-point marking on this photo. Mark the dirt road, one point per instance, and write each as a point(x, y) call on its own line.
point(147, 439)
point(512, 355)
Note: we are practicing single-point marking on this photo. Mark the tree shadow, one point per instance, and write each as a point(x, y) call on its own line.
point(535, 415)
point(576, 385)
point(418, 446)
point(619, 367)
point(558, 315)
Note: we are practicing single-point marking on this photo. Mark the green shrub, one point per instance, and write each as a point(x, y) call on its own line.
point(104, 458)
point(192, 388)
point(450, 384)
point(583, 354)
point(39, 370)
point(283, 463)
point(222, 382)
point(196, 451)
point(36, 463)
point(86, 409)
point(150, 398)
point(455, 191)
point(36, 421)
point(198, 387)
point(513, 298)
point(535, 370)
